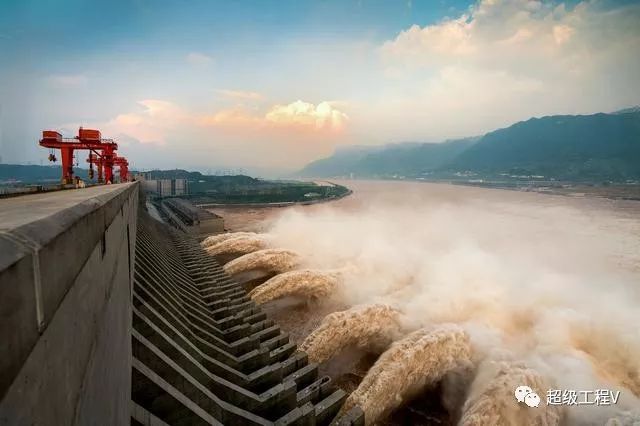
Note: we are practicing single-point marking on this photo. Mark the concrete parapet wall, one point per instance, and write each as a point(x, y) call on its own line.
point(66, 271)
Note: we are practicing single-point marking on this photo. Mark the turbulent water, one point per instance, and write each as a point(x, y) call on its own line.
point(216, 239)
point(237, 244)
point(307, 283)
point(271, 260)
point(491, 401)
point(360, 326)
point(546, 288)
point(422, 358)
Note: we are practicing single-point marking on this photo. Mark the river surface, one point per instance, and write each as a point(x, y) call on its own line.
point(545, 214)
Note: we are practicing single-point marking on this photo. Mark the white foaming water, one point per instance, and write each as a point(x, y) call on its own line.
point(241, 244)
point(358, 326)
point(552, 281)
point(491, 399)
point(305, 283)
point(215, 239)
point(421, 358)
point(272, 260)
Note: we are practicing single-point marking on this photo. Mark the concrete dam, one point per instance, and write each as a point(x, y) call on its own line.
point(111, 317)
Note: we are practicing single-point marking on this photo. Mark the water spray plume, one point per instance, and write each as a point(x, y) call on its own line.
point(306, 283)
point(272, 260)
point(238, 245)
point(421, 358)
point(614, 357)
point(215, 239)
point(492, 400)
point(550, 280)
point(360, 326)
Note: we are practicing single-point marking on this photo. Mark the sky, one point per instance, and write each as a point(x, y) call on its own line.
point(267, 86)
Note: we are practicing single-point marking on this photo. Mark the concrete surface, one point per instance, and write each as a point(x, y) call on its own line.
point(66, 268)
point(189, 218)
point(204, 353)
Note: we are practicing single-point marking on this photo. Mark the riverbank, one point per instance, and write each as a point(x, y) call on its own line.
point(629, 192)
point(279, 204)
point(258, 217)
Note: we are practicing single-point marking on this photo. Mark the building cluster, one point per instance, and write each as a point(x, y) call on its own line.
point(165, 187)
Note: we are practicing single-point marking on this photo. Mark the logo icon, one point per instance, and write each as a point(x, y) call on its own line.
point(532, 399)
point(527, 395)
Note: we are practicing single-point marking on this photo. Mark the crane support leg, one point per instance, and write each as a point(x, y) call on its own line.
point(67, 165)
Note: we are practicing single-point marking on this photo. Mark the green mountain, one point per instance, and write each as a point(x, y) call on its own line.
point(584, 147)
point(342, 162)
point(197, 177)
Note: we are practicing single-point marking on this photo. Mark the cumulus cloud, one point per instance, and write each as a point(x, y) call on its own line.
point(295, 117)
point(158, 117)
point(198, 58)
point(174, 135)
point(299, 113)
point(519, 58)
point(500, 33)
point(524, 37)
point(237, 135)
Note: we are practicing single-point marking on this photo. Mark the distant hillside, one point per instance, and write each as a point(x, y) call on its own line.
point(600, 146)
point(199, 177)
point(404, 159)
point(342, 162)
point(585, 147)
point(33, 174)
point(413, 159)
point(628, 110)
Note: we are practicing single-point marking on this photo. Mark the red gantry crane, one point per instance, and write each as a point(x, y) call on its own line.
point(102, 153)
point(123, 165)
point(121, 162)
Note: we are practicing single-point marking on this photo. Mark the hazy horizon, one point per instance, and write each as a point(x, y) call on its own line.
point(271, 86)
